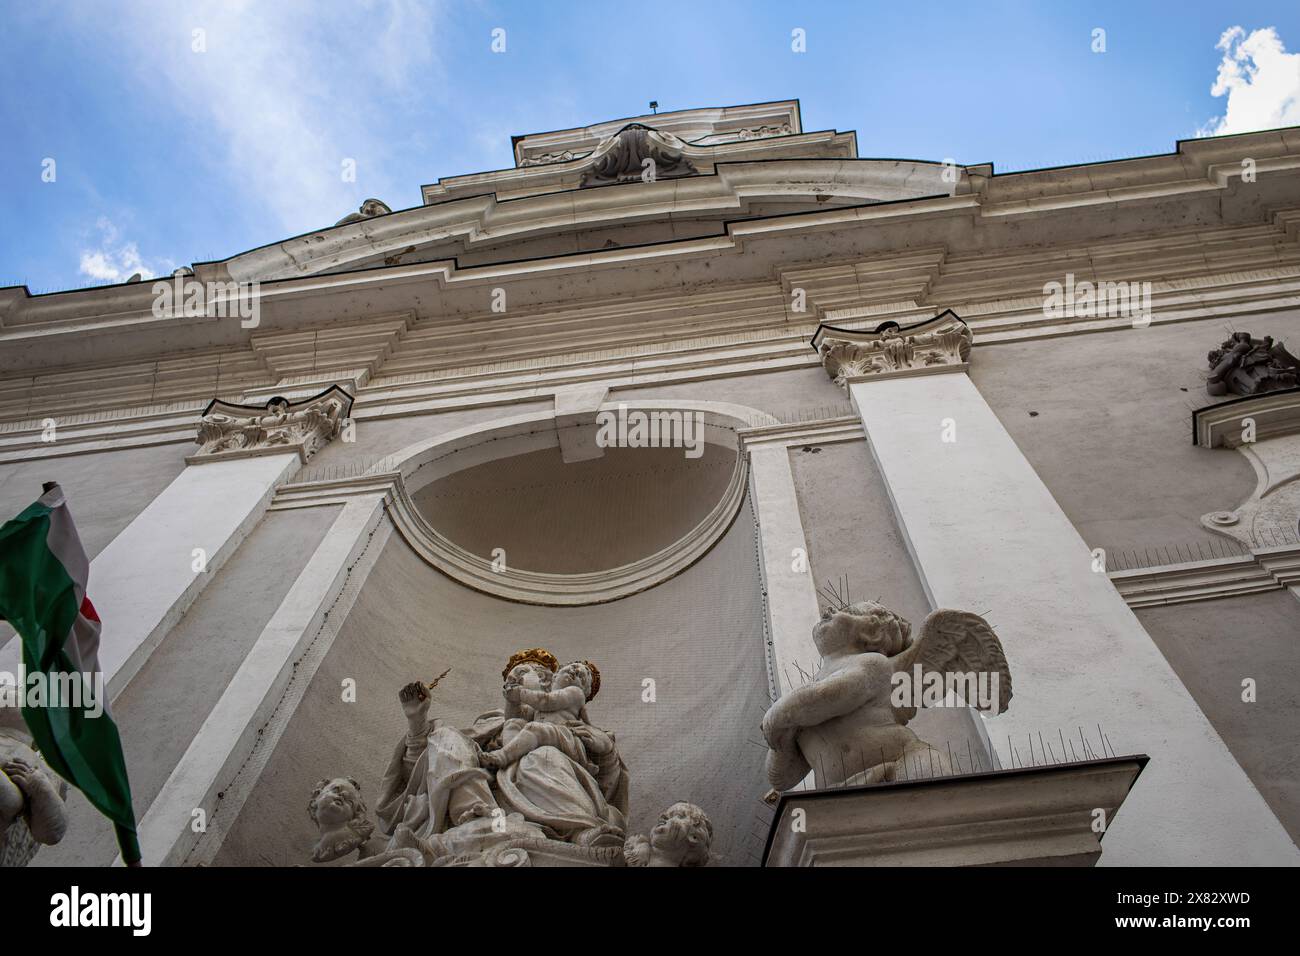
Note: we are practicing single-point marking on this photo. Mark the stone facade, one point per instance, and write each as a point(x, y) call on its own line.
point(711, 380)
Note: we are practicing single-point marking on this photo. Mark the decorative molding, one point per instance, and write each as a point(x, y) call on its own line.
point(1274, 413)
point(939, 344)
point(393, 475)
point(825, 431)
point(1265, 569)
point(227, 430)
point(1271, 516)
point(635, 340)
point(622, 157)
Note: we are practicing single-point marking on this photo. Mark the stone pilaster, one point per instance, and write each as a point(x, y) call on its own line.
point(987, 535)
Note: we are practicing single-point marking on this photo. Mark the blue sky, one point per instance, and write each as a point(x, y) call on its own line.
point(165, 155)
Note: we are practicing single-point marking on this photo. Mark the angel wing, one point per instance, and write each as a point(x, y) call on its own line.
point(954, 642)
point(1284, 358)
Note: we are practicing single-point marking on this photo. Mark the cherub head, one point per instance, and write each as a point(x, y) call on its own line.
point(532, 676)
point(864, 628)
point(579, 674)
point(339, 812)
point(682, 837)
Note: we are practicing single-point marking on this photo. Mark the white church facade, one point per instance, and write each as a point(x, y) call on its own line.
point(577, 515)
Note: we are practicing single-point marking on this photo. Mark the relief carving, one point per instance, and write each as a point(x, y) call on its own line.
point(1248, 366)
point(622, 158)
point(229, 430)
point(848, 354)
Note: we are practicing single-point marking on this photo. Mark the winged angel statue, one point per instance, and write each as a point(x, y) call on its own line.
point(847, 723)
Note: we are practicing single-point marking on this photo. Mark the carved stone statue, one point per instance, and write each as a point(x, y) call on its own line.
point(339, 813)
point(369, 210)
point(31, 802)
point(682, 837)
point(847, 724)
point(1248, 366)
point(534, 770)
point(532, 784)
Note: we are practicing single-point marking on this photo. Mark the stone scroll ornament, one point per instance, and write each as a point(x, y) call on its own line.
point(31, 802)
point(230, 430)
point(622, 158)
point(532, 784)
point(849, 354)
point(845, 723)
point(1244, 365)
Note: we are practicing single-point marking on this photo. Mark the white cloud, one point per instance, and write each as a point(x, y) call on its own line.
point(283, 93)
point(115, 260)
point(1261, 81)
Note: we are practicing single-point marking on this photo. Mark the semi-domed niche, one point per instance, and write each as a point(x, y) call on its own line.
point(502, 511)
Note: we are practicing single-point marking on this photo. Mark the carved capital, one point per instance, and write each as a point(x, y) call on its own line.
point(228, 430)
point(939, 344)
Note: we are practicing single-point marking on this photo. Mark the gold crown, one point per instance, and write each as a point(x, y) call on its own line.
point(595, 676)
point(534, 655)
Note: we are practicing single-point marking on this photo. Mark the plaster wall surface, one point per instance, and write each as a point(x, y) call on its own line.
point(1112, 439)
point(698, 637)
point(1214, 646)
point(105, 490)
point(165, 704)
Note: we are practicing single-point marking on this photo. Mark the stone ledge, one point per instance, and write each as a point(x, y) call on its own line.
point(1033, 816)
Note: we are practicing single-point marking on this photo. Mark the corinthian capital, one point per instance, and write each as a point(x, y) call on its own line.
point(939, 344)
point(228, 430)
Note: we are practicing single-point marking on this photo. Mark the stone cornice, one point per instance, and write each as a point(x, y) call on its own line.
point(406, 365)
point(890, 350)
point(1265, 569)
point(105, 408)
point(381, 242)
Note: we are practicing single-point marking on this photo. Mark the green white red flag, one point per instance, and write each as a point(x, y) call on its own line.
point(43, 575)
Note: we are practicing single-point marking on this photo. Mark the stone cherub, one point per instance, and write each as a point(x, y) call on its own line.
point(682, 837)
point(844, 723)
point(31, 802)
point(339, 812)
